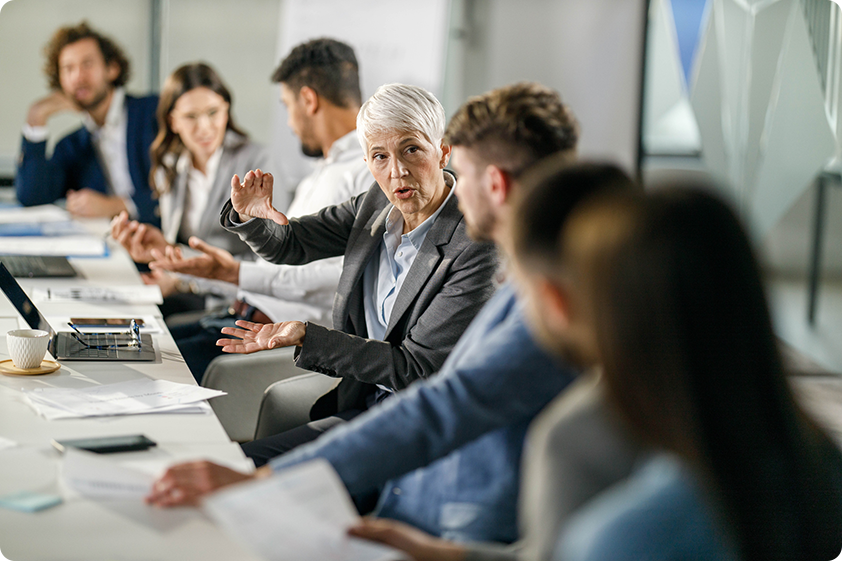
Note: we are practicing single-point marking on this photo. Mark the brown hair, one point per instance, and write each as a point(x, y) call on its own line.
point(690, 360)
point(181, 81)
point(64, 36)
point(515, 126)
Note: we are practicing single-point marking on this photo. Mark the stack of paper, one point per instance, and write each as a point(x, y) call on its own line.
point(39, 214)
point(135, 294)
point(125, 398)
point(95, 476)
point(300, 514)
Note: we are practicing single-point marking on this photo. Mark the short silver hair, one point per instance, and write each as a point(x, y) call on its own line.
point(401, 108)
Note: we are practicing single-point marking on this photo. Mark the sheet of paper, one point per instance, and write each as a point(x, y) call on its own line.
point(70, 246)
point(6, 443)
point(65, 228)
point(98, 476)
point(134, 294)
point(32, 214)
point(300, 514)
point(125, 398)
point(59, 323)
point(51, 413)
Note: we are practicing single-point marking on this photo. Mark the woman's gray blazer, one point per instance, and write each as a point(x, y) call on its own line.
point(448, 283)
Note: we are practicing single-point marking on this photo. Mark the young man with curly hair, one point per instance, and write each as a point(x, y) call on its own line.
point(101, 168)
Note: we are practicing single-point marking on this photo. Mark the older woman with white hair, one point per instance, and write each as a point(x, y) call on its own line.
point(412, 279)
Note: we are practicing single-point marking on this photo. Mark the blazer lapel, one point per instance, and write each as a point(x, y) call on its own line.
point(426, 261)
point(356, 259)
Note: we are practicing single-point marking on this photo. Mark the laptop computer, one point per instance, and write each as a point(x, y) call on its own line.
point(117, 346)
point(35, 266)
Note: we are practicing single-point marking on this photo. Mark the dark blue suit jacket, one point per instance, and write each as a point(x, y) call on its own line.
point(74, 164)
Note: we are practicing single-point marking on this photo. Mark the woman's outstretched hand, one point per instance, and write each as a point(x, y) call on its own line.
point(253, 197)
point(255, 337)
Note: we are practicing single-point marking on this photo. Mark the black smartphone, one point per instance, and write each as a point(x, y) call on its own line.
point(107, 444)
point(105, 322)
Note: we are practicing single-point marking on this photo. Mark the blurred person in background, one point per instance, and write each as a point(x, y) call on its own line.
point(102, 168)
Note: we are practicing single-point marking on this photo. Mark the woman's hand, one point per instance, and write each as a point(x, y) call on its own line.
point(216, 263)
point(262, 336)
point(138, 239)
point(415, 543)
point(253, 197)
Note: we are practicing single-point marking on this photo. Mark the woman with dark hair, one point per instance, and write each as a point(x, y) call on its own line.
point(672, 295)
point(663, 291)
point(197, 150)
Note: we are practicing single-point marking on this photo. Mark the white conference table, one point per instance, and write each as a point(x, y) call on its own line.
point(86, 529)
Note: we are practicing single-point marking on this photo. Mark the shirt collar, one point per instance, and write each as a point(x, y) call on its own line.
point(416, 236)
point(114, 115)
point(185, 163)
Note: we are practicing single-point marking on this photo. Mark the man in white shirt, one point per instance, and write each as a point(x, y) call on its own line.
point(101, 168)
point(320, 88)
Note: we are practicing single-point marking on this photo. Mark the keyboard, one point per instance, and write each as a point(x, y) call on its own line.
point(37, 266)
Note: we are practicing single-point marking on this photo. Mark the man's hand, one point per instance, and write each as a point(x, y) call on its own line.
point(186, 484)
point(253, 197)
point(138, 239)
point(88, 203)
point(262, 336)
point(419, 545)
point(46, 107)
point(216, 263)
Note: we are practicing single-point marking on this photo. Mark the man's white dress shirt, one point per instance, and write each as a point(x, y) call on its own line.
point(305, 292)
point(109, 141)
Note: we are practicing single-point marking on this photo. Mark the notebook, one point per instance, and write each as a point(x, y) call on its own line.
point(33, 266)
point(116, 346)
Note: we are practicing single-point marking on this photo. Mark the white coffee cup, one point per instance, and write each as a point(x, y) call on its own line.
point(27, 347)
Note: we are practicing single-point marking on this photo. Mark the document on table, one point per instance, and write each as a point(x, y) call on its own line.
point(124, 398)
point(134, 294)
point(33, 214)
point(96, 476)
point(300, 514)
point(70, 246)
point(58, 228)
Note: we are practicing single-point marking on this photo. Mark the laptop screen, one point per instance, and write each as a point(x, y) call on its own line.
point(21, 301)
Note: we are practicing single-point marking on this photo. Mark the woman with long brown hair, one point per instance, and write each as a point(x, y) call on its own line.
point(196, 152)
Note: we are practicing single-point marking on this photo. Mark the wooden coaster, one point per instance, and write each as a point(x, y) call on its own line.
point(8, 367)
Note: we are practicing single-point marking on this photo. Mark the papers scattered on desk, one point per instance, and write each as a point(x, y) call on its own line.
point(66, 228)
point(125, 398)
point(100, 477)
point(33, 214)
point(70, 246)
point(302, 513)
point(135, 294)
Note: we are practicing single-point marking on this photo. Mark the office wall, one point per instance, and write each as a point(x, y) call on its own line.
point(239, 39)
point(588, 50)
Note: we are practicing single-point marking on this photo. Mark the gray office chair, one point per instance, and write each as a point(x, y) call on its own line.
point(245, 378)
point(286, 404)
